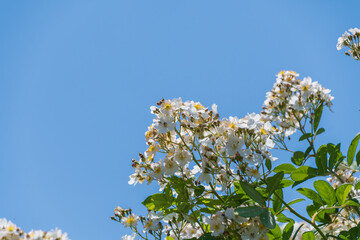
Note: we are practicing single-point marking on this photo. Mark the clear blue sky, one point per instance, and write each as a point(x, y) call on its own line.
point(77, 79)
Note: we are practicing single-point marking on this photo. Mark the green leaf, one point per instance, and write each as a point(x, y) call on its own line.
point(308, 236)
point(342, 192)
point(251, 211)
point(208, 210)
point(298, 158)
point(307, 151)
point(303, 173)
point(295, 201)
point(277, 201)
point(357, 186)
point(320, 131)
point(335, 154)
point(305, 136)
point(253, 194)
point(157, 202)
point(351, 203)
point(280, 217)
point(273, 182)
point(287, 232)
point(358, 158)
point(286, 183)
point(268, 219)
point(268, 164)
point(275, 233)
point(311, 194)
point(207, 236)
point(321, 159)
point(352, 149)
point(325, 191)
point(287, 168)
point(199, 190)
point(318, 113)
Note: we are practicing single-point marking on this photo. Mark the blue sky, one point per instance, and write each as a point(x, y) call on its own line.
point(77, 79)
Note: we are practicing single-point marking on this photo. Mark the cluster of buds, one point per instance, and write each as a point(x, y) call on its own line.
point(291, 100)
point(9, 231)
point(352, 41)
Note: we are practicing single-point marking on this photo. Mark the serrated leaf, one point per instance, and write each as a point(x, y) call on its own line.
point(303, 173)
point(286, 183)
point(287, 168)
point(274, 182)
point(275, 233)
point(335, 154)
point(157, 202)
point(308, 236)
point(296, 201)
point(318, 113)
point(325, 191)
point(268, 219)
point(320, 131)
point(307, 151)
point(305, 136)
point(287, 232)
point(311, 194)
point(277, 201)
point(252, 193)
point(268, 164)
point(342, 192)
point(251, 211)
point(321, 159)
point(352, 149)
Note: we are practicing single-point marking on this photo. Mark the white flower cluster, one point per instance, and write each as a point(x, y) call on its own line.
point(189, 141)
point(189, 231)
point(198, 145)
point(9, 231)
point(292, 99)
point(247, 228)
point(343, 175)
point(343, 221)
point(352, 41)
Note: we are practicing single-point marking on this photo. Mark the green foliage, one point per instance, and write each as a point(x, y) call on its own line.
point(352, 149)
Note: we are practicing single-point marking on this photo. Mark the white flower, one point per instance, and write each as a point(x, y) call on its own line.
point(130, 221)
point(253, 172)
point(36, 235)
point(170, 166)
point(129, 237)
point(354, 31)
point(251, 121)
point(341, 40)
point(233, 145)
point(56, 235)
point(182, 157)
point(164, 124)
point(217, 224)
